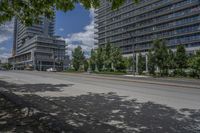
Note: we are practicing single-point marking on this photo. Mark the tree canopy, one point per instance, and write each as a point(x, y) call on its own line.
point(93, 60)
point(141, 64)
point(181, 57)
point(78, 58)
point(194, 63)
point(29, 11)
point(160, 55)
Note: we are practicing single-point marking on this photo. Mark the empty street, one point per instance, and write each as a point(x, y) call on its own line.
point(65, 102)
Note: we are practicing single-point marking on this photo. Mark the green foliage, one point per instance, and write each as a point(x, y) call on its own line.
point(171, 59)
point(198, 53)
point(93, 60)
point(141, 64)
point(181, 57)
point(175, 63)
point(151, 63)
point(179, 73)
point(161, 56)
point(29, 11)
point(121, 66)
point(99, 59)
point(128, 62)
point(77, 58)
point(107, 56)
point(117, 59)
point(194, 63)
point(6, 66)
point(86, 65)
point(164, 58)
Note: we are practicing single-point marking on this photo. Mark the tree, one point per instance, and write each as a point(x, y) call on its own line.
point(6, 66)
point(181, 57)
point(171, 59)
point(151, 63)
point(161, 55)
point(107, 56)
point(99, 59)
point(86, 65)
point(194, 63)
point(141, 64)
point(117, 59)
point(29, 11)
point(128, 62)
point(77, 58)
point(198, 53)
point(93, 60)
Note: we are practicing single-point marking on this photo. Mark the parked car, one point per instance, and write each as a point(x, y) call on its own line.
point(51, 70)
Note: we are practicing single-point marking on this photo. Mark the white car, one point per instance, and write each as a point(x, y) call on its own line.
point(51, 70)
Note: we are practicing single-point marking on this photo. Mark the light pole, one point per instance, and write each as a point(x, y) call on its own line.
point(133, 59)
point(133, 50)
point(53, 61)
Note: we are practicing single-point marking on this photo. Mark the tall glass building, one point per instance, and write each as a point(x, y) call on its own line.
point(135, 26)
point(36, 47)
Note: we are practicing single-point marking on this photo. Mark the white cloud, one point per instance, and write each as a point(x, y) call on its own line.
point(4, 38)
point(61, 29)
point(2, 49)
point(4, 53)
point(6, 33)
point(84, 39)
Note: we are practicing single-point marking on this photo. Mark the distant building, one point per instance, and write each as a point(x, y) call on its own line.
point(3, 60)
point(36, 47)
point(133, 27)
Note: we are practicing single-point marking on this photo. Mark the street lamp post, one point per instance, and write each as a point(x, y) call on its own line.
point(133, 50)
point(133, 59)
point(53, 61)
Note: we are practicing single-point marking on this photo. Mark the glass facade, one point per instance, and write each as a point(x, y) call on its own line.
point(176, 21)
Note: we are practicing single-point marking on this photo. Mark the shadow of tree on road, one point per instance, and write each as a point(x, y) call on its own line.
point(110, 113)
point(96, 113)
point(33, 87)
point(14, 120)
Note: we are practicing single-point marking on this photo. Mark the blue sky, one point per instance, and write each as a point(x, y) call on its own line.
point(72, 21)
point(76, 27)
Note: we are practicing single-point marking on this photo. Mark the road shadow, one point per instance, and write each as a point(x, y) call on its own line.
point(93, 113)
point(31, 88)
point(110, 113)
point(14, 119)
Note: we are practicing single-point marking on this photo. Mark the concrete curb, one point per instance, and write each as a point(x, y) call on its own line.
point(133, 80)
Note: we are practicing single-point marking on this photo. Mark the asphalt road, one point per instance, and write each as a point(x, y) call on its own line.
point(97, 104)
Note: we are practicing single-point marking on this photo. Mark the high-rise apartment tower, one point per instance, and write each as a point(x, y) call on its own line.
point(133, 27)
point(36, 47)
